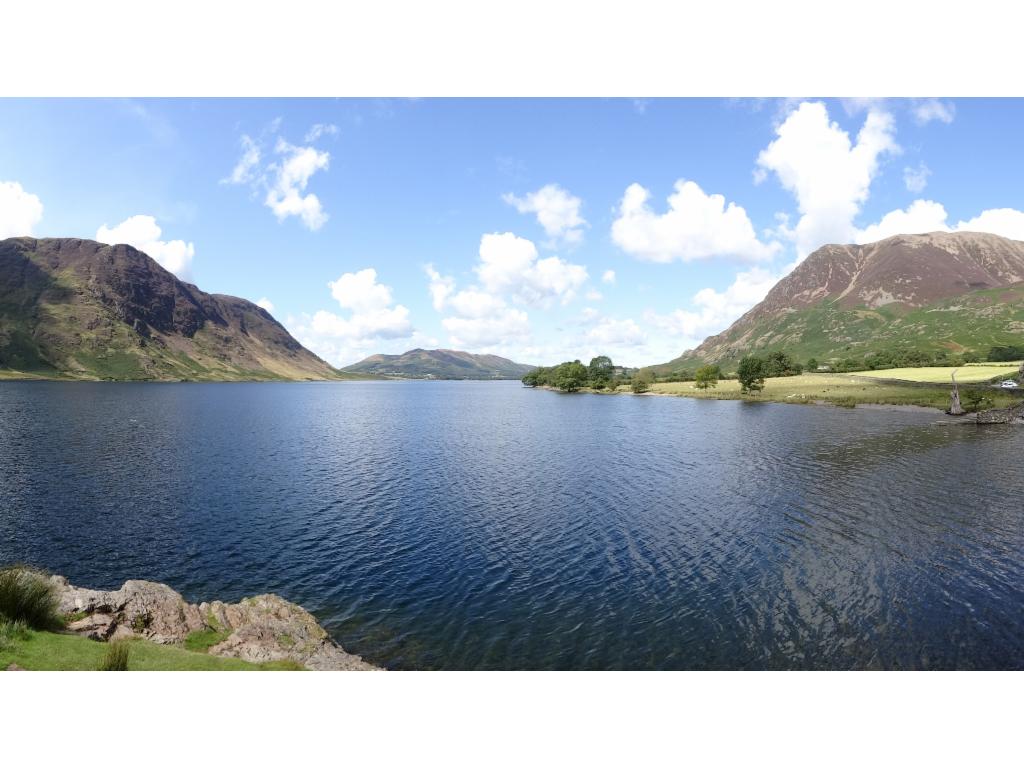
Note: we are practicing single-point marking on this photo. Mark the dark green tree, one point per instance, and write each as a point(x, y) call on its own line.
point(751, 374)
point(600, 371)
point(569, 377)
point(812, 364)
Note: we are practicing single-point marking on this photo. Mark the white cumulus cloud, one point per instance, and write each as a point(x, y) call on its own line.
point(608, 276)
point(372, 321)
point(932, 109)
point(266, 304)
point(320, 129)
point(20, 211)
point(611, 332)
point(558, 212)
point(920, 216)
point(916, 179)
point(290, 177)
point(829, 174)
point(929, 216)
point(1006, 222)
point(715, 310)
point(284, 180)
point(245, 170)
point(142, 232)
point(695, 226)
point(510, 265)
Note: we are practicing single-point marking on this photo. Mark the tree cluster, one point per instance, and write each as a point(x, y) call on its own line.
point(1006, 353)
point(573, 376)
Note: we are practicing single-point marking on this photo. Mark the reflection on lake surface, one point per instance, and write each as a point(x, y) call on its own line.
point(462, 525)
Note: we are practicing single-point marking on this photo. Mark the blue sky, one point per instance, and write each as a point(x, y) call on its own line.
point(538, 229)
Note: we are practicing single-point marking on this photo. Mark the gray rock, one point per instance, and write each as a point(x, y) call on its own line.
point(258, 629)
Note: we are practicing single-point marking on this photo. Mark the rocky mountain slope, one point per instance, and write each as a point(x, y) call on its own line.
point(937, 291)
point(82, 309)
point(441, 364)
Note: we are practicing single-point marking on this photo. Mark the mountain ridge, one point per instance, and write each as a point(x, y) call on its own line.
point(931, 291)
point(76, 308)
point(440, 364)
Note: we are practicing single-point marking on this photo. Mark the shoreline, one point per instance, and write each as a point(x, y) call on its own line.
point(1009, 411)
point(259, 632)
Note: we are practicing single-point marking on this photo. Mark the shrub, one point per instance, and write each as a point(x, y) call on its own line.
point(27, 596)
point(707, 376)
point(116, 657)
point(642, 381)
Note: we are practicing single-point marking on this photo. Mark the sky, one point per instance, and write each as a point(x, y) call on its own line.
point(542, 230)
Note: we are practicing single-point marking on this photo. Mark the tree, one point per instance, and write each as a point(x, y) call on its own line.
point(600, 371)
point(972, 357)
point(977, 400)
point(1005, 354)
point(569, 377)
point(751, 373)
point(780, 364)
point(812, 364)
point(642, 381)
point(707, 376)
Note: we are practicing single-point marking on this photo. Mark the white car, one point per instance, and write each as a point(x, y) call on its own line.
point(1009, 384)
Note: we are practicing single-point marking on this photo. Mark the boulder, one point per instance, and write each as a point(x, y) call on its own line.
point(257, 629)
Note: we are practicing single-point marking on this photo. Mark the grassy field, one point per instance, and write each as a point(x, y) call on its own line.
point(834, 388)
point(52, 651)
point(965, 374)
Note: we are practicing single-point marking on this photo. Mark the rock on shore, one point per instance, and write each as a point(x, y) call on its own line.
point(257, 629)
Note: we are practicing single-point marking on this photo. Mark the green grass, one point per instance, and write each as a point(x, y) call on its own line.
point(27, 596)
point(203, 640)
point(116, 657)
point(837, 389)
point(964, 374)
point(35, 650)
point(974, 322)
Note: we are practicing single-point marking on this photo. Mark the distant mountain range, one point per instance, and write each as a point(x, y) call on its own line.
point(956, 292)
point(82, 309)
point(441, 364)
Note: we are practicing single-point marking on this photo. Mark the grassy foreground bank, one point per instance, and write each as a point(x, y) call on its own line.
point(835, 389)
point(35, 650)
point(33, 637)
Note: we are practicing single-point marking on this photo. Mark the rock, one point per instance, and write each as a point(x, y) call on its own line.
point(14, 668)
point(96, 626)
point(269, 628)
point(1012, 415)
point(258, 629)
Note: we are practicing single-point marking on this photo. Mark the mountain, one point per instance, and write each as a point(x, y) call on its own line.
point(83, 309)
point(956, 292)
point(441, 364)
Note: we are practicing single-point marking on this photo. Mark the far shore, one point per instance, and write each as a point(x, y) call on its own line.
point(842, 390)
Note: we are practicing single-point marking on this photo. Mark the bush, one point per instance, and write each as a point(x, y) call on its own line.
point(11, 631)
point(707, 376)
point(116, 658)
point(1006, 354)
point(642, 381)
point(27, 596)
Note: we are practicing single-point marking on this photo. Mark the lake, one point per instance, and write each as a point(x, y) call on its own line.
point(482, 525)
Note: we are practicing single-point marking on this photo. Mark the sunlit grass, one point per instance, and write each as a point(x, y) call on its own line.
point(965, 374)
point(30, 650)
point(834, 388)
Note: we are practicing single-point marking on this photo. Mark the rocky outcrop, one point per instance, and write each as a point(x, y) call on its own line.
point(1013, 415)
point(257, 629)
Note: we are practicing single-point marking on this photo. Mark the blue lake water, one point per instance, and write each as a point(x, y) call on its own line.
point(464, 525)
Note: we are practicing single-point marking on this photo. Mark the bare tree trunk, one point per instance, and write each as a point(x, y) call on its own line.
point(955, 409)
